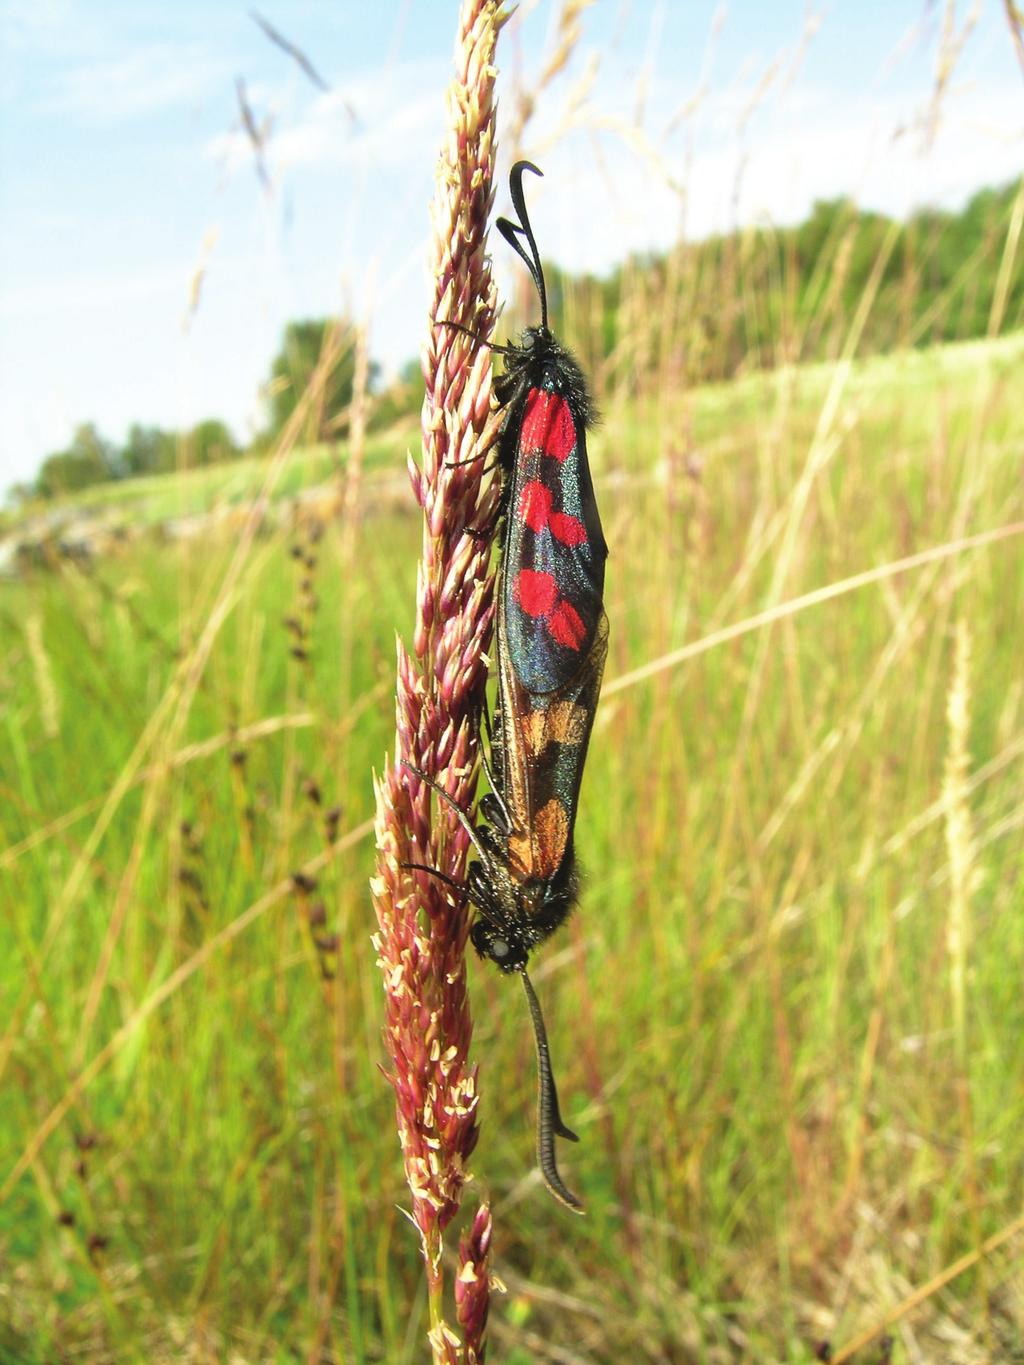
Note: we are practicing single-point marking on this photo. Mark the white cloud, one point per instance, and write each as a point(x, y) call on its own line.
point(613, 191)
point(377, 120)
point(143, 81)
point(25, 21)
point(106, 290)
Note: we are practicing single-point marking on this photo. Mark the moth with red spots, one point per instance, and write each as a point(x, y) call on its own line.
point(551, 644)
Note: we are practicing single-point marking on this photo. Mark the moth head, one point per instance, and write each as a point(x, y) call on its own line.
point(501, 943)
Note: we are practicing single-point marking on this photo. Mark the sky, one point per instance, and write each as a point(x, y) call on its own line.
point(125, 170)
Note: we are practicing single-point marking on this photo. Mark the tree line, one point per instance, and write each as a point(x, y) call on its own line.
point(763, 296)
point(90, 458)
point(321, 347)
point(701, 312)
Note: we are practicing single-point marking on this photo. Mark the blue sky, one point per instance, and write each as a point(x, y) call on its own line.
point(124, 169)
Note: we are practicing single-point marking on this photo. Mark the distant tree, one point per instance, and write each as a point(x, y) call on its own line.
point(304, 346)
point(88, 459)
point(210, 442)
point(147, 450)
point(403, 398)
point(822, 230)
point(706, 310)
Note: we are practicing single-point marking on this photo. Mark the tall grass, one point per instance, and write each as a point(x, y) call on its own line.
point(787, 1015)
point(752, 1004)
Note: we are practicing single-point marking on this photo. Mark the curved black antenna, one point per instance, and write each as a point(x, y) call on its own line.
point(549, 1118)
point(513, 231)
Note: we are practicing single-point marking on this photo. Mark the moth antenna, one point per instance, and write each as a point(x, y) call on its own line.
point(513, 231)
point(549, 1118)
point(464, 820)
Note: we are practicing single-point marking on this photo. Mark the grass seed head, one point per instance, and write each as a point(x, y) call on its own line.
point(422, 926)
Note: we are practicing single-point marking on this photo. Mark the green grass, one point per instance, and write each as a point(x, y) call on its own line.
point(159, 497)
point(750, 1013)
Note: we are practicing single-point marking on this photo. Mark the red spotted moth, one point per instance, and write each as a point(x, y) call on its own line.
point(551, 644)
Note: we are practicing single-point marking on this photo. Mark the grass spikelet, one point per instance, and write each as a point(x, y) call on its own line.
point(49, 705)
point(472, 1296)
point(422, 937)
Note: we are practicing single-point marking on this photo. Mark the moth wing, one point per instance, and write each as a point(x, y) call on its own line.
point(553, 568)
point(548, 742)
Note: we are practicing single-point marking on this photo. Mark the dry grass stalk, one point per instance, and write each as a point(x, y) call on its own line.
point(962, 872)
point(422, 936)
point(568, 32)
point(49, 704)
point(1015, 19)
point(926, 1291)
point(959, 836)
point(356, 439)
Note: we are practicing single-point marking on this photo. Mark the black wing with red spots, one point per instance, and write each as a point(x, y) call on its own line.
point(554, 551)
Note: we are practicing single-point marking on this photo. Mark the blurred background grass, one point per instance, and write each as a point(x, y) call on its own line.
point(751, 1011)
point(787, 1017)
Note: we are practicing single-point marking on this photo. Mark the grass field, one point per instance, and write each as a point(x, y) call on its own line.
point(786, 1019)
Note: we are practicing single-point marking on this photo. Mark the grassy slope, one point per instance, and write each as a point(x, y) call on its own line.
point(160, 497)
point(750, 1013)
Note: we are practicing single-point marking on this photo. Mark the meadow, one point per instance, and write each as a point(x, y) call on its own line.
point(786, 1018)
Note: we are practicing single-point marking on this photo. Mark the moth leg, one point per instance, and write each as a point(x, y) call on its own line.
point(485, 532)
point(493, 764)
point(475, 459)
point(461, 887)
point(493, 810)
point(493, 805)
point(474, 336)
point(486, 853)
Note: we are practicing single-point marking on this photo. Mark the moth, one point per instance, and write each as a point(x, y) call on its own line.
point(551, 641)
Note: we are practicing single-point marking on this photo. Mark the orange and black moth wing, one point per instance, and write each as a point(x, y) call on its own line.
point(543, 748)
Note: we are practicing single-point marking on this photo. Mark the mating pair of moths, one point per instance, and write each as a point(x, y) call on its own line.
point(552, 639)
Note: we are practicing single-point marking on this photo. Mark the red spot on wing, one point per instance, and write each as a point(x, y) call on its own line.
point(569, 530)
point(562, 431)
point(536, 592)
point(535, 505)
point(566, 626)
point(535, 511)
point(547, 425)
